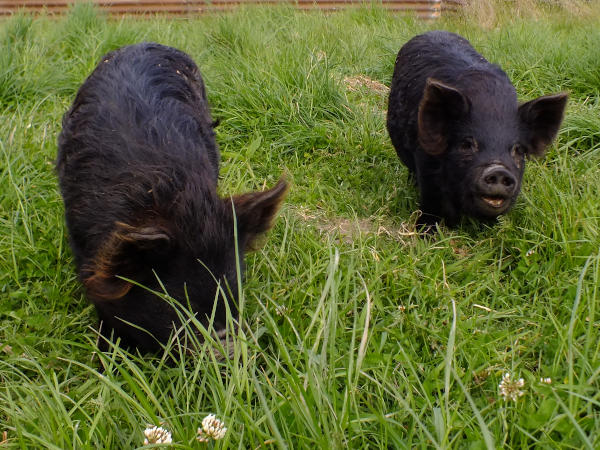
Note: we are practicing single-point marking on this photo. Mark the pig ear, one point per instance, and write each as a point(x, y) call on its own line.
point(440, 105)
point(255, 212)
point(125, 247)
point(540, 119)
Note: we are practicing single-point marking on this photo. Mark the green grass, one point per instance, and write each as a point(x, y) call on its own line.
point(357, 333)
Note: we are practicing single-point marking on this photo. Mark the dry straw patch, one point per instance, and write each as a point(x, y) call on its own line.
point(349, 230)
point(358, 83)
point(491, 13)
point(369, 91)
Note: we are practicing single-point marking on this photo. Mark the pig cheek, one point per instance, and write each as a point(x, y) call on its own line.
point(518, 171)
point(462, 181)
point(464, 173)
point(519, 160)
point(520, 163)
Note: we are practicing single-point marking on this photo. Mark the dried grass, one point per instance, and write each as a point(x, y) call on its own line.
point(348, 230)
point(491, 13)
point(358, 83)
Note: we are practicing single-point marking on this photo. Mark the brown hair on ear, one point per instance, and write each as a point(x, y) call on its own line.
point(106, 287)
point(440, 104)
point(117, 253)
point(255, 212)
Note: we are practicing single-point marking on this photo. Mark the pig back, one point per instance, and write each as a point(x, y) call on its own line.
point(138, 134)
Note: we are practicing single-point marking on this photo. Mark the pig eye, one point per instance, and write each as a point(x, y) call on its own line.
point(468, 145)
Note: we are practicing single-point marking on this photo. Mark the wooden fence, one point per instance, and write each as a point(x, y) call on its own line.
point(428, 9)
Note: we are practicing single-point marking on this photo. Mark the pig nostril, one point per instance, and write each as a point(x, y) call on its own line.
point(508, 182)
point(491, 179)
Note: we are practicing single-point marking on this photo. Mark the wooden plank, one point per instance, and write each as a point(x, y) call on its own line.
point(422, 8)
point(8, 4)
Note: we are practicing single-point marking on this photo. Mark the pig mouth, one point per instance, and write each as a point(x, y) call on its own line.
point(494, 202)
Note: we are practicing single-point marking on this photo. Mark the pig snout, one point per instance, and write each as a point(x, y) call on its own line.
point(497, 180)
point(497, 187)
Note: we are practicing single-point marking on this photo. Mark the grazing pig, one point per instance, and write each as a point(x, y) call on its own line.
point(138, 167)
point(454, 120)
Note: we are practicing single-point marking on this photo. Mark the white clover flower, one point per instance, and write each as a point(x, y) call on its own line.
point(511, 389)
point(282, 310)
point(546, 380)
point(212, 428)
point(157, 435)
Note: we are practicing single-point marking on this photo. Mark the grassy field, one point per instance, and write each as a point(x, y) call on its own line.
point(357, 332)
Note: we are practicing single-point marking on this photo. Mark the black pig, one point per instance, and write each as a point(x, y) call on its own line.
point(454, 120)
point(138, 167)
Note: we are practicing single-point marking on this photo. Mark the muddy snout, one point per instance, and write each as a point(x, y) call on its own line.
point(496, 186)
